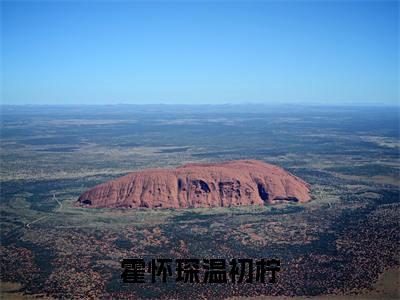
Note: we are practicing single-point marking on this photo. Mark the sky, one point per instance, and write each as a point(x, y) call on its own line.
point(200, 52)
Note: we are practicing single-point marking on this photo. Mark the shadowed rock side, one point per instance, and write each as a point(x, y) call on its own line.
point(242, 182)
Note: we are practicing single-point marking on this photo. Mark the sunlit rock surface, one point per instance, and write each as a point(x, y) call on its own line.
point(234, 183)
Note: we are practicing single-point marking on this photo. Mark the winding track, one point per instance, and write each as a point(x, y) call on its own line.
point(45, 217)
point(16, 231)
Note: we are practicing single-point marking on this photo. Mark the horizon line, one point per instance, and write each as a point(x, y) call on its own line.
point(208, 104)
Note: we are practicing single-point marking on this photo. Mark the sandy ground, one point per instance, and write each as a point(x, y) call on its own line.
point(387, 287)
point(9, 291)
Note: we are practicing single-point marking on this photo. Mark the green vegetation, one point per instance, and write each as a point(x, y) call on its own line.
point(338, 243)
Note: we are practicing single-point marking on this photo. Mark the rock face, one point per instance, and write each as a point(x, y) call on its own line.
point(234, 183)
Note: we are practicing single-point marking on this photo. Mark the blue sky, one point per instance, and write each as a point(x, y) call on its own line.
point(319, 52)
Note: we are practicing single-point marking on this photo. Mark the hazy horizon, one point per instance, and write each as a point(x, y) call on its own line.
point(233, 104)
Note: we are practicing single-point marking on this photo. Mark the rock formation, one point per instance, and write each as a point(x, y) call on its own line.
point(234, 183)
